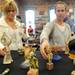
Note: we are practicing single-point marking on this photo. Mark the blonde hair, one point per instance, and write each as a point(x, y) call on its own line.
point(11, 6)
point(61, 2)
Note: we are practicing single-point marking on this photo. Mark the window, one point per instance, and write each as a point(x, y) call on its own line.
point(52, 14)
point(30, 19)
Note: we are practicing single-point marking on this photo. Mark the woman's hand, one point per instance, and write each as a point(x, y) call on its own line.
point(2, 51)
point(43, 46)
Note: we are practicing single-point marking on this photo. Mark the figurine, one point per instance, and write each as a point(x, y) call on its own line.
point(33, 61)
point(28, 52)
point(49, 64)
point(33, 65)
point(6, 41)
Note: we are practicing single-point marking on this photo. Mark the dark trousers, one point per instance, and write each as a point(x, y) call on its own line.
point(41, 61)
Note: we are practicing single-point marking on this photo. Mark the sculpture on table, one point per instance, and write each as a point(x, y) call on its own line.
point(33, 70)
point(6, 41)
point(28, 50)
point(49, 64)
point(33, 60)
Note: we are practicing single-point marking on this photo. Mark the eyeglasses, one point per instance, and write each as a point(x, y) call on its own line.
point(10, 10)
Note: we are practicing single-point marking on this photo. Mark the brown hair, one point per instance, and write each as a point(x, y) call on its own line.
point(61, 2)
point(11, 6)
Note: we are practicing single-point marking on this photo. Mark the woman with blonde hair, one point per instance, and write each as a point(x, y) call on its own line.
point(10, 26)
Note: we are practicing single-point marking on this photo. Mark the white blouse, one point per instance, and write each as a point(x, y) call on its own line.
point(14, 35)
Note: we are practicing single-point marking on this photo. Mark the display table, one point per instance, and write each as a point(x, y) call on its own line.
point(61, 67)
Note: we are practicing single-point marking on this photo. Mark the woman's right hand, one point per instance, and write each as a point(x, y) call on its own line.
point(2, 51)
point(43, 46)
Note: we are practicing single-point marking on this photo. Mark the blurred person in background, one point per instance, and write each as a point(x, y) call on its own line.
point(30, 30)
point(69, 20)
